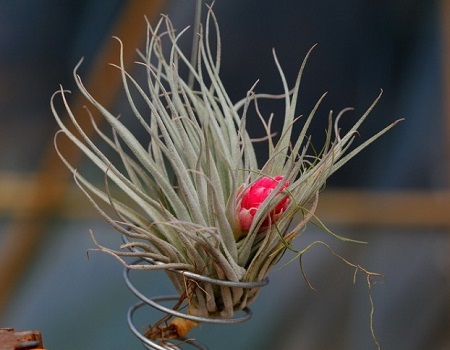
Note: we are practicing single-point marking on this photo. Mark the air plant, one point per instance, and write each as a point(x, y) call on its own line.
point(194, 198)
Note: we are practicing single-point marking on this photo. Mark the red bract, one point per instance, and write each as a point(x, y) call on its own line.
point(254, 196)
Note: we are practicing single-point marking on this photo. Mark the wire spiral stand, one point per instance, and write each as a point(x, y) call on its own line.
point(156, 303)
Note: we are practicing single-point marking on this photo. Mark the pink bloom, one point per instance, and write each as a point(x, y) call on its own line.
point(254, 196)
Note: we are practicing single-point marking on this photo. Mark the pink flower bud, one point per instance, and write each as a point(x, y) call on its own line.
point(254, 196)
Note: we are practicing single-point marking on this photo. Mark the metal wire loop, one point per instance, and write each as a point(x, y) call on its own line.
point(151, 302)
point(150, 344)
point(155, 302)
point(197, 277)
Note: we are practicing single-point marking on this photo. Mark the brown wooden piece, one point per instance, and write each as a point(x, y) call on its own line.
point(27, 340)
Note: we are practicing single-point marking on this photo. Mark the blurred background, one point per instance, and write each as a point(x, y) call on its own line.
point(394, 195)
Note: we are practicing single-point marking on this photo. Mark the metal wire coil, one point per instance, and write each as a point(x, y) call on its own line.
point(150, 344)
point(155, 303)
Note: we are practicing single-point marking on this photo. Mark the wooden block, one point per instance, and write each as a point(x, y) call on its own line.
point(27, 340)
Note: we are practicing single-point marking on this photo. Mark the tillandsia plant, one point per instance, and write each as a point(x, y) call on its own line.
point(194, 198)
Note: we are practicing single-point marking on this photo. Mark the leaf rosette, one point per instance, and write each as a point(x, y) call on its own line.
point(178, 197)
